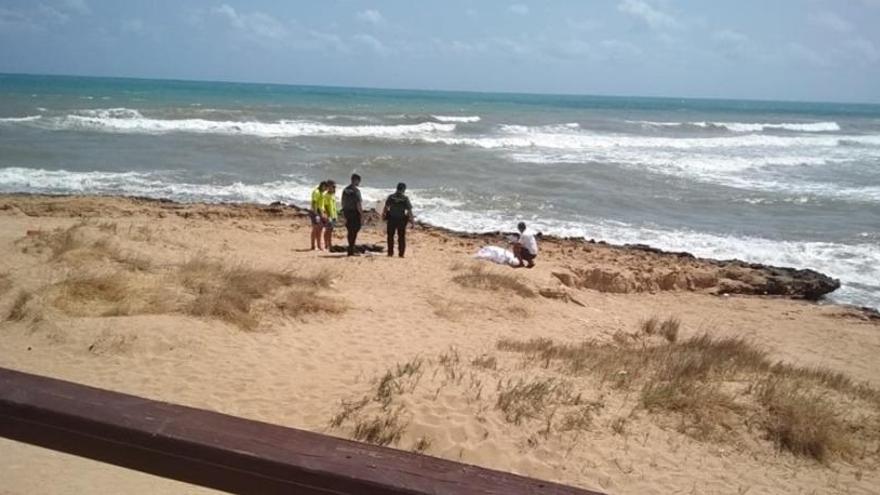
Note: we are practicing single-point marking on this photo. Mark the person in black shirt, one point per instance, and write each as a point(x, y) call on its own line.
point(353, 210)
point(397, 212)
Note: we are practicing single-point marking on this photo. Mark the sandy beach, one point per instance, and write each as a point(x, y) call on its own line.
point(567, 372)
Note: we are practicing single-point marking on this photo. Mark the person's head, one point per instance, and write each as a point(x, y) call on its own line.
point(521, 227)
point(331, 185)
point(401, 187)
point(322, 186)
point(355, 179)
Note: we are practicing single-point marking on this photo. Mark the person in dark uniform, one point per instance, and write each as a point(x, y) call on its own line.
point(353, 210)
point(397, 212)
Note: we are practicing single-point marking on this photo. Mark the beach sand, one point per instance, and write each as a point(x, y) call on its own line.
point(433, 310)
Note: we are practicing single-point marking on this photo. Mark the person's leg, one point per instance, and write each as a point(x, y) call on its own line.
point(328, 236)
point(389, 231)
point(316, 236)
point(350, 230)
point(401, 238)
point(517, 253)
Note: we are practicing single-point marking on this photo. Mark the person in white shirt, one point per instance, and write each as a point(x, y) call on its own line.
point(526, 248)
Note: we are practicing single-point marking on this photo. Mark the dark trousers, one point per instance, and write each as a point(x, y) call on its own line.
point(353, 226)
point(397, 225)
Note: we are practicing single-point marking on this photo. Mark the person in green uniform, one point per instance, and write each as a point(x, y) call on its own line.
point(398, 213)
point(330, 213)
point(316, 214)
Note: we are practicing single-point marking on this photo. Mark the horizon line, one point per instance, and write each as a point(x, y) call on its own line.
point(436, 90)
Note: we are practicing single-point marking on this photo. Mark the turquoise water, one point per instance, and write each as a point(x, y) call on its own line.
point(787, 183)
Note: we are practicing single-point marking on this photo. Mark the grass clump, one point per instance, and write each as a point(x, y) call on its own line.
point(711, 384)
point(19, 307)
point(227, 292)
point(477, 277)
point(529, 399)
point(385, 428)
point(485, 361)
point(801, 421)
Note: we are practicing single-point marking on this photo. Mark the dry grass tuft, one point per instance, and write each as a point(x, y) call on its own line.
point(650, 326)
point(19, 307)
point(385, 428)
point(478, 277)
point(485, 361)
point(801, 421)
point(529, 399)
point(227, 292)
point(298, 303)
point(669, 329)
point(422, 444)
point(708, 384)
point(348, 409)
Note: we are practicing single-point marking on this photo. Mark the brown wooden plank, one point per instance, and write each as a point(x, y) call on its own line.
point(226, 452)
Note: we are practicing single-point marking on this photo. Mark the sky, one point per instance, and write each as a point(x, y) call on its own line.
point(813, 50)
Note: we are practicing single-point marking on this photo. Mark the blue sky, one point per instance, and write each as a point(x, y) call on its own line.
point(765, 49)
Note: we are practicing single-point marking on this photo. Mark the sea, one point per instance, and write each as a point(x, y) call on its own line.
point(792, 184)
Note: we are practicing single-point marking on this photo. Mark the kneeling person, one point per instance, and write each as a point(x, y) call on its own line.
point(526, 248)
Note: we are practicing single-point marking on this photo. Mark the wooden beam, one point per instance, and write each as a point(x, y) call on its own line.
point(226, 452)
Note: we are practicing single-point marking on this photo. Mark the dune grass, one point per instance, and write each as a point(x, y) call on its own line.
point(227, 292)
point(476, 276)
point(712, 383)
point(18, 311)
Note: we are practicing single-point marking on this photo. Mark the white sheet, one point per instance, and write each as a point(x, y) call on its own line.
point(498, 255)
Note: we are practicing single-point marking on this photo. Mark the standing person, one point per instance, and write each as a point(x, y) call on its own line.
point(397, 212)
point(352, 208)
point(316, 214)
point(526, 248)
point(330, 213)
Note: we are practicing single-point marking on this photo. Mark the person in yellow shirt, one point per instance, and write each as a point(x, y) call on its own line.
point(330, 213)
point(316, 214)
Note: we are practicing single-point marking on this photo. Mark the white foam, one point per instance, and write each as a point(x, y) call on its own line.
point(128, 121)
point(29, 118)
point(857, 265)
point(751, 127)
point(457, 119)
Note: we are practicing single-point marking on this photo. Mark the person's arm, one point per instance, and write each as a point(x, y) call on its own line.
point(385, 209)
point(409, 213)
point(360, 203)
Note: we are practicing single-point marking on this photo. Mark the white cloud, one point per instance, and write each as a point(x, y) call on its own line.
point(255, 24)
point(372, 43)
point(830, 20)
point(650, 15)
point(371, 16)
point(519, 9)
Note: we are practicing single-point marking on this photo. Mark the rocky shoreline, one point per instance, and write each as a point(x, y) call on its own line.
point(588, 264)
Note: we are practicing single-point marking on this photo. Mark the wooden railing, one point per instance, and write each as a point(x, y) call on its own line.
point(226, 452)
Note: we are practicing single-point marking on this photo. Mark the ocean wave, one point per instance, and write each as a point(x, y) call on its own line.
point(741, 172)
point(750, 127)
point(527, 137)
point(29, 118)
point(128, 121)
point(457, 119)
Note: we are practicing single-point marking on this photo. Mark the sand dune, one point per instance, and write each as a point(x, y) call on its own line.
point(221, 307)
